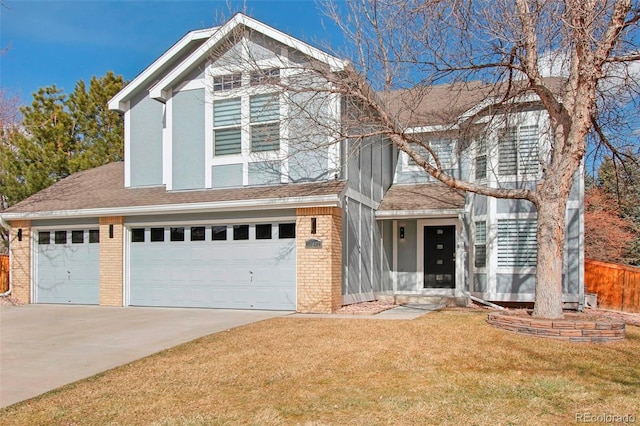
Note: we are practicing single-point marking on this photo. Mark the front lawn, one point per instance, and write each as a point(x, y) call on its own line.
point(447, 367)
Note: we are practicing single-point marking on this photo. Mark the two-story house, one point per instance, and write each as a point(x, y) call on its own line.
point(233, 196)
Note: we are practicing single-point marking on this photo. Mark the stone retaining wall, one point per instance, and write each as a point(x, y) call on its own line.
point(568, 329)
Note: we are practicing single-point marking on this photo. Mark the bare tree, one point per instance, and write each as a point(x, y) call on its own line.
point(466, 68)
point(510, 46)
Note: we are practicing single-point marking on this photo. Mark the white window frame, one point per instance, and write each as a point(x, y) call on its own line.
point(480, 151)
point(254, 124)
point(285, 69)
point(448, 167)
point(477, 244)
point(527, 269)
point(520, 171)
point(237, 127)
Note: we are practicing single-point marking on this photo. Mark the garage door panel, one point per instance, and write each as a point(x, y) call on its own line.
point(241, 274)
point(67, 273)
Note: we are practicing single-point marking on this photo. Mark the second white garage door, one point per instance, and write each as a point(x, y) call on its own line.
point(246, 266)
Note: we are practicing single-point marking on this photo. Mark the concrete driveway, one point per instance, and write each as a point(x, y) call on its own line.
point(43, 347)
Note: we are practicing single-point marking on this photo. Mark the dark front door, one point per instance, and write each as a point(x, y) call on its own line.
point(439, 257)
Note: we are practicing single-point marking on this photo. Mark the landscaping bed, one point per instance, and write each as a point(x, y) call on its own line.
point(573, 327)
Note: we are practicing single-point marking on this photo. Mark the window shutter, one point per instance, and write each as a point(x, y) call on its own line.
point(265, 108)
point(517, 245)
point(481, 159)
point(481, 245)
point(443, 149)
point(226, 112)
point(508, 152)
point(528, 149)
point(265, 137)
point(227, 141)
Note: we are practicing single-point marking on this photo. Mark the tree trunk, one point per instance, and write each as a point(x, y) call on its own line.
point(550, 234)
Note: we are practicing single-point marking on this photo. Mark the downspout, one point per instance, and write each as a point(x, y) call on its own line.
point(6, 226)
point(484, 302)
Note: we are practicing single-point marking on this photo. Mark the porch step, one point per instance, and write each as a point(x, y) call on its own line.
point(404, 299)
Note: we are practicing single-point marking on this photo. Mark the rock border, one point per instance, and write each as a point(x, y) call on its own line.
point(572, 328)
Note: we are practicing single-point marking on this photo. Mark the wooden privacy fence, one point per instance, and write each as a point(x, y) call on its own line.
point(617, 286)
point(4, 273)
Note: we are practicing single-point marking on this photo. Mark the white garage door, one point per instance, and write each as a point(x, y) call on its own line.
point(248, 266)
point(68, 266)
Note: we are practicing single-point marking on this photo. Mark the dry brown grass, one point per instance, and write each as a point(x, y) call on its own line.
point(447, 367)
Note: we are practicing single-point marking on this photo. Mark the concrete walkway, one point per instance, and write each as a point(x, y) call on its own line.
point(43, 347)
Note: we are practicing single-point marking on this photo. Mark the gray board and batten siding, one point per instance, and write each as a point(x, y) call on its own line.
point(370, 173)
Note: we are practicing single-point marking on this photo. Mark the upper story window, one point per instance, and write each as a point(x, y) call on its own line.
point(442, 148)
point(268, 76)
point(265, 123)
point(256, 78)
point(227, 115)
point(227, 82)
point(481, 159)
point(518, 151)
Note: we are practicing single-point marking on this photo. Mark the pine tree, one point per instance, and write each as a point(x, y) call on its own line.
point(61, 135)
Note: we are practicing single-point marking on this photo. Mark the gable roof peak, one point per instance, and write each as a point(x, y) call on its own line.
point(161, 89)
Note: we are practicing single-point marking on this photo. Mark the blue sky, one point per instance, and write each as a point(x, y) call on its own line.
point(60, 42)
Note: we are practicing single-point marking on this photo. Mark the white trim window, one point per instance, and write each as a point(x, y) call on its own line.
point(227, 135)
point(266, 76)
point(480, 244)
point(443, 148)
point(517, 244)
point(227, 81)
point(518, 151)
point(481, 159)
point(265, 122)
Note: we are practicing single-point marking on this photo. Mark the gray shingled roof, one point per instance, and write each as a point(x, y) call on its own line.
point(435, 105)
point(103, 188)
point(444, 104)
point(424, 196)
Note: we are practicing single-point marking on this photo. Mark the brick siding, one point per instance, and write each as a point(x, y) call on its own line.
point(20, 252)
point(111, 261)
point(319, 270)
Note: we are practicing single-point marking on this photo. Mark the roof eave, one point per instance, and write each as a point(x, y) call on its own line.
point(332, 200)
point(119, 101)
point(415, 214)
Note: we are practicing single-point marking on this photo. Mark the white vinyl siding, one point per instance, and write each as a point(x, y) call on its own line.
point(518, 151)
point(265, 125)
point(517, 245)
point(226, 121)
